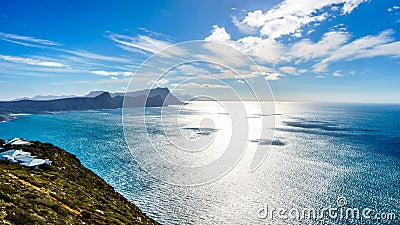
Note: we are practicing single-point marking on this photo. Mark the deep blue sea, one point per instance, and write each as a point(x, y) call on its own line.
point(327, 156)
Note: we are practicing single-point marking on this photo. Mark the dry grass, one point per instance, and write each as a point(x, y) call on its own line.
point(64, 193)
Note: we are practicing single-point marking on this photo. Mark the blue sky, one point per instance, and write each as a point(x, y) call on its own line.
point(317, 50)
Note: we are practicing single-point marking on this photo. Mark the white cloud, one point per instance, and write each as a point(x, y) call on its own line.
point(31, 61)
point(393, 8)
point(89, 55)
point(278, 27)
point(76, 59)
point(338, 73)
point(303, 70)
point(114, 78)
point(218, 34)
point(193, 69)
point(127, 74)
point(350, 5)
point(320, 77)
point(250, 75)
point(289, 70)
point(197, 85)
point(103, 81)
point(22, 43)
point(310, 32)
point(221, 54)
point(26, 40)
point(240, 81)
point(161, 82)
point(266, 50)
point(272, 76)
point(367, 46)
point(290, 16)
point(49, 64)
point(257, 71)
point(261, 68)
point(255, 19)
point(108, 73)
point(243, 27)
point(389, 49)
point(141, 43)
point(151, 32)
point(146, 45)
point(105, 73)
point(306, 50)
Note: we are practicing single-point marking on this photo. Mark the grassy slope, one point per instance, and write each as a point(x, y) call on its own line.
point(54, 195)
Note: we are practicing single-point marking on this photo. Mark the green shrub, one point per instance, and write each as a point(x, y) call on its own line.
point(20, 216)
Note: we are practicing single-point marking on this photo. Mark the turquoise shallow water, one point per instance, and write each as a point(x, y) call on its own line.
point(325, 152)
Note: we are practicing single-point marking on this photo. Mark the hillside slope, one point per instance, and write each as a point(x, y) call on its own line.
point(64, 193)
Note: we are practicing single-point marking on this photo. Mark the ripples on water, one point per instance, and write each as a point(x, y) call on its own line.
point(320, 152)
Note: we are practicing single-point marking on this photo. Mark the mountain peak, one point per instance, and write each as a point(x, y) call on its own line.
point(93, 94)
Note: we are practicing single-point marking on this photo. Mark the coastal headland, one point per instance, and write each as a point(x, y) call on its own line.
point(64, 192)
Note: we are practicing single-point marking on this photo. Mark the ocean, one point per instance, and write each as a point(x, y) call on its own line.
point(339, 161)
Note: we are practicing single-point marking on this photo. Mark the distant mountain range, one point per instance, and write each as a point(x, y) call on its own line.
point(95, 100)
point(45, 97)
point(92, 94)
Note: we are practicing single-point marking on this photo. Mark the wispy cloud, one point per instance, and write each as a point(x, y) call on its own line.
point(110, 80)
point(23, 70)
point(193, 69)
point(244, 28)
point(289, 70)
point(389, 49)
point(198, 85)
point(23, 43)
point(56, 59)
point(159, 83)
point(42, 43)
point(367, 46)
point(26, 40)
point(303, 70)
point(108, 73)
point(31, 61)
point(338, 73)
point(141, 43)
point(306, 50)
point(90, 55)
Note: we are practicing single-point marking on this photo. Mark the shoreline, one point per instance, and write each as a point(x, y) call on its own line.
point(9, 117)
point(64, 191)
